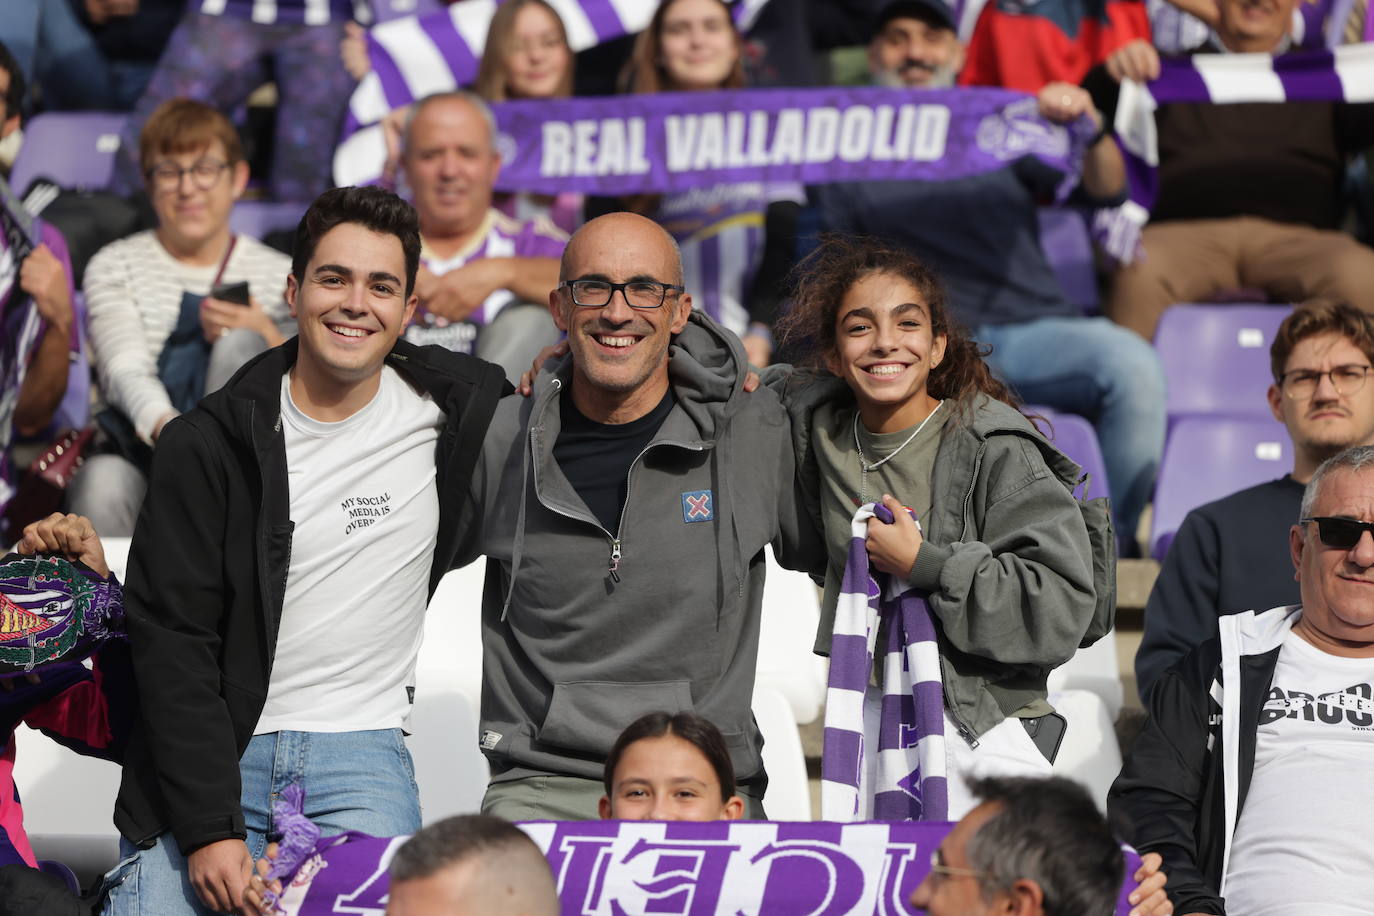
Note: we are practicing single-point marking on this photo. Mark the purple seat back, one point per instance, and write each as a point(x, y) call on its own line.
point(387, 10)
point(1216, 358)
point(1075, 437)
point(1065, 241)
point(259, 217)
point(1210, 457)
point(75, 149)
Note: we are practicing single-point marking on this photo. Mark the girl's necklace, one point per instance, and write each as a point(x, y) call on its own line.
point(865, 467)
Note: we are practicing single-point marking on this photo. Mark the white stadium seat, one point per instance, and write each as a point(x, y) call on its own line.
point(68, 803)
point(1089, 753)
point(1096, 669)
point(789, 791)
point(791, 614)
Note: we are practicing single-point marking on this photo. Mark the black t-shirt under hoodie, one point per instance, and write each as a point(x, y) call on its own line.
point(596, 457)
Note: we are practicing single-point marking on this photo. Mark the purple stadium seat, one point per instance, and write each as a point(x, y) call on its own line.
point(1064, 238)
point(259, 217)
point(1211, 457)
point(1216, 358)
point(74, 149)
point(387, 10)
point(1075, 437)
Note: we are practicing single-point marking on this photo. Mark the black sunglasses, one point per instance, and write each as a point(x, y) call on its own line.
point(1340, 533)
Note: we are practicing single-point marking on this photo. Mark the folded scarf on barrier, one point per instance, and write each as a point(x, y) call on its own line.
point(670, 142)
point(656, 867)
point(1343, 75)
point(908, 781)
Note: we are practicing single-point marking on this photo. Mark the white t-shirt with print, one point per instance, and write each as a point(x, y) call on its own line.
point(1302, 844)
point(366, 512)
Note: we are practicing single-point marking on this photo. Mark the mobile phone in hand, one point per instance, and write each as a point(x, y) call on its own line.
point(236, 293)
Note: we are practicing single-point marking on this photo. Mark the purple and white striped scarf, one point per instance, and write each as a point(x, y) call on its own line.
point(1343, 75)
point(416, 56)
point(910, 782)
point(20, 322)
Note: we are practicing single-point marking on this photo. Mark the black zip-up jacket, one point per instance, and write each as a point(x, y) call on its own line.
point(1171, 795)
point(207, 576)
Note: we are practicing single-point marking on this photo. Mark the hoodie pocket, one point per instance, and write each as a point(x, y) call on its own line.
point(589, 715)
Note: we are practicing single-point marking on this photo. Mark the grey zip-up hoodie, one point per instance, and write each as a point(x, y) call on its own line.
point(573, 653)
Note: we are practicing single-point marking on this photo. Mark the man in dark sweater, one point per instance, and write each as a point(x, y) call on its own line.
point(1232, 555)
point(982, 234)
point(1250, 194)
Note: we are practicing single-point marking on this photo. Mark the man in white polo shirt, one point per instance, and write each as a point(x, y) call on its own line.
point(486, 276)
point(296, 523)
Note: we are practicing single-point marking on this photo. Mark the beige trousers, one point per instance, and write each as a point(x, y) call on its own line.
point(1193, 260)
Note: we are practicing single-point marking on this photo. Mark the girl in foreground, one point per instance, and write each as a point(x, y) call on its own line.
point(670, 768)
point(910, 416)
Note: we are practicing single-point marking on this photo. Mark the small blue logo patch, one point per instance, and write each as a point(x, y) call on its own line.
point(697, 506)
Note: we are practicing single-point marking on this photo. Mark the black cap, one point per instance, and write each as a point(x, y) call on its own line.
point(931, 11)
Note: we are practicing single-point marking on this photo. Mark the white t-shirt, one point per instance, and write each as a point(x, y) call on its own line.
point(1302, 844)
point(366, 509)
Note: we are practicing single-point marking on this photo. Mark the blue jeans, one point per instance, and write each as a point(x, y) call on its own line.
point(50, 43)
point(360, 781)
point(1101, 371)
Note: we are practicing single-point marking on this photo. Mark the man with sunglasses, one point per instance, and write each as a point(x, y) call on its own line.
point(1230, 555)
point(1248, 776)
point(624, 508)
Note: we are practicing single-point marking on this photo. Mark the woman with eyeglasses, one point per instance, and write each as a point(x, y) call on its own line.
point(175, 310)
point(736, 239)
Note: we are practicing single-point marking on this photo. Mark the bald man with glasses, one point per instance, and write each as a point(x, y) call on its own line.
point(624, 508)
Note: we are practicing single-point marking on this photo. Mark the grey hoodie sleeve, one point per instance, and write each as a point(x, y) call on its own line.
point(1022, 593)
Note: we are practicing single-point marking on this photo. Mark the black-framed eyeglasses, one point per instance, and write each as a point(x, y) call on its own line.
point(938, 866)
point(639, 294)
point(1301, 383)
point(204, 174)
point(1340, 533)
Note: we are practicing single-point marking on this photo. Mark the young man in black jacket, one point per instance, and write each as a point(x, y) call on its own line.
point(296, 524)
point(1249, 776)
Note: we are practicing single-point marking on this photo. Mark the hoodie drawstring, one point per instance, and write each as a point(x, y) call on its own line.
point(518, 548)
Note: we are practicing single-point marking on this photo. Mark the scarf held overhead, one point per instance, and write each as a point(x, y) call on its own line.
point(676, 141)
point(415, 56)
point(908, 782)
point(1343, 75)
